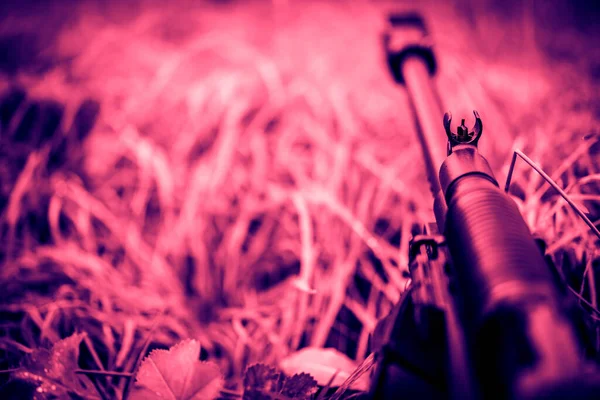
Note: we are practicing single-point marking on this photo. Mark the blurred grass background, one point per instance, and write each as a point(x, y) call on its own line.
point(245, 173)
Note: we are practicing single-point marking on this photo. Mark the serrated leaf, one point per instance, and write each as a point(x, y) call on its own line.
point(323, 364)
point(53, 371)
point(260, 380)
point(177, 374)
point(300, 386)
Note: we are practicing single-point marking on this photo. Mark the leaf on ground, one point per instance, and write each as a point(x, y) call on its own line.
point(53, 371)
point(323, 364)
point(300, 386)
point(262, 382)
point(177, 374)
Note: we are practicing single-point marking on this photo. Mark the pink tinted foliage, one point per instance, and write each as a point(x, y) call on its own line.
point(247, 174)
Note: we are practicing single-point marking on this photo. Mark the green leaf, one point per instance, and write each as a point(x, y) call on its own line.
point(300, 386)
point(262, 382)
point(177, 374)
point(53, 371)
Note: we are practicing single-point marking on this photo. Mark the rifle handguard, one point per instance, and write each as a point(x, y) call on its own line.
point(521, 339)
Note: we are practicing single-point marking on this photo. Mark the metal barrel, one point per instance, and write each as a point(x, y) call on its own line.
point(412, 62)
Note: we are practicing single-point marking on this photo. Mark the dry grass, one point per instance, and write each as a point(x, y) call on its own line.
point(251, 168)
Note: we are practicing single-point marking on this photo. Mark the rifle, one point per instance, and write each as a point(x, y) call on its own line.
point(485, 315)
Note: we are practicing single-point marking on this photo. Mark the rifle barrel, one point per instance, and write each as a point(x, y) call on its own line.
point(427, 111)
point(428, 114)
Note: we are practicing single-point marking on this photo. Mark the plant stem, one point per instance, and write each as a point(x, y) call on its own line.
point(107, 373)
